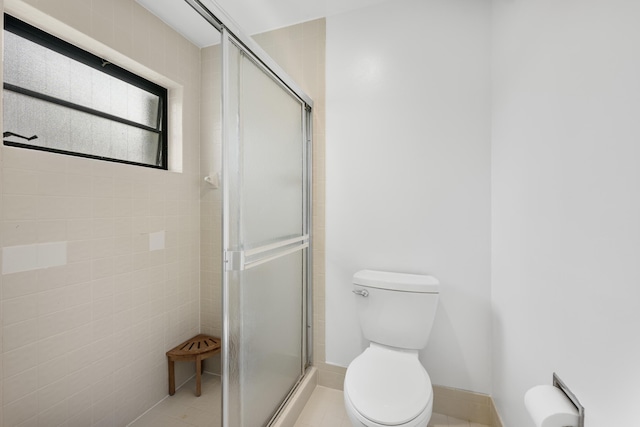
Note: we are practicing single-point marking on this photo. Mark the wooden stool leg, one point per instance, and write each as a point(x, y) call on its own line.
point(172, 378)
point(198, 376)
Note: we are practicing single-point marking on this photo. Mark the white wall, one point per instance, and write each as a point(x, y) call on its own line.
point(566, 204)
point(408, 171)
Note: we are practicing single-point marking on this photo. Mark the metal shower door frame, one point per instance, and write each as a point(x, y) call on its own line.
point(238, 259)
point(231, 34)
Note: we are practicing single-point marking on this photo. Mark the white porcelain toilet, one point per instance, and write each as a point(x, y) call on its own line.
point(387, 385)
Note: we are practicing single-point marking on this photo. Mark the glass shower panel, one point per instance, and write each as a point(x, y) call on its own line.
point(272, 150)
point(266, 240)
point(271, 336)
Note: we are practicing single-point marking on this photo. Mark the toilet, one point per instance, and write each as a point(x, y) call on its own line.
point(387, 385)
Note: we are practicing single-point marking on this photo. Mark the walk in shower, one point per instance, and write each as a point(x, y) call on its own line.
point(110, 261)
point(255, 132)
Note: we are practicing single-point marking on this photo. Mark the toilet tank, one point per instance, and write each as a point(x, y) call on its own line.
point(398, 309)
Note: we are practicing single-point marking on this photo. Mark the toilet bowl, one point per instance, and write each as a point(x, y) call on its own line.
point(387, 385)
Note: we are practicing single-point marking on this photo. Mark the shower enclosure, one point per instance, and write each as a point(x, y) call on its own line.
point(266, 203)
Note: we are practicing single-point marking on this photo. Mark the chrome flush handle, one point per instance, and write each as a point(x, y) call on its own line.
point(361, 292)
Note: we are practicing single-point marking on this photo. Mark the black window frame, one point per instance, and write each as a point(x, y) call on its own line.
point(36, 35)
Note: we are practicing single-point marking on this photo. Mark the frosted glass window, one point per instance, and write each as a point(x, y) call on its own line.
point(60, 98)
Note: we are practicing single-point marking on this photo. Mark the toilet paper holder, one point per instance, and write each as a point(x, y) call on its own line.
point(557, 382)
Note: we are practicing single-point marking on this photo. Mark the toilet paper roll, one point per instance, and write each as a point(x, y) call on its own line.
point(550, 407)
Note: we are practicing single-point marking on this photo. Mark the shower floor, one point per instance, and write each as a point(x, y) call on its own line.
point(184, 409)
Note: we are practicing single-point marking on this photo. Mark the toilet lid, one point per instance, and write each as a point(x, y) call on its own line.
point(388, 387)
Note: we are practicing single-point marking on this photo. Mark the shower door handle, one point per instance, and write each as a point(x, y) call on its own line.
point(244, 260)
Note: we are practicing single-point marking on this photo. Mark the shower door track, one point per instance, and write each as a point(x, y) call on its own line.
point(219, 19)
point(284, 403)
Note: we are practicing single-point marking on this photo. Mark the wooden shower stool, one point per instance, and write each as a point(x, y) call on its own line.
point(196, 349)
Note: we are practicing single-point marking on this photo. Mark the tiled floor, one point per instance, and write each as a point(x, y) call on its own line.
point(184, 409)
point(326, 409)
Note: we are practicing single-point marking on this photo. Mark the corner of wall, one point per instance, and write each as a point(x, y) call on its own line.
point(496, 421)
point(331, 376)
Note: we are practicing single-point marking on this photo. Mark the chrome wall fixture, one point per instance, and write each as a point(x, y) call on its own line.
point(557, 382)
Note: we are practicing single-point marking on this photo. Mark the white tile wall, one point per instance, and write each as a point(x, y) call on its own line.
point(83, 343)
point(33, 257)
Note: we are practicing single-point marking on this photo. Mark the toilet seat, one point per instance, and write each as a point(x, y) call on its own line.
point(387, 386)
point(357, 419)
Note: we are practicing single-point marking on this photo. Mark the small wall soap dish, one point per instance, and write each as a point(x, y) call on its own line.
point(213, 179)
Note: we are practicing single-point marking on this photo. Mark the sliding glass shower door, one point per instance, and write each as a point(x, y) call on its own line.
point(266, 239)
